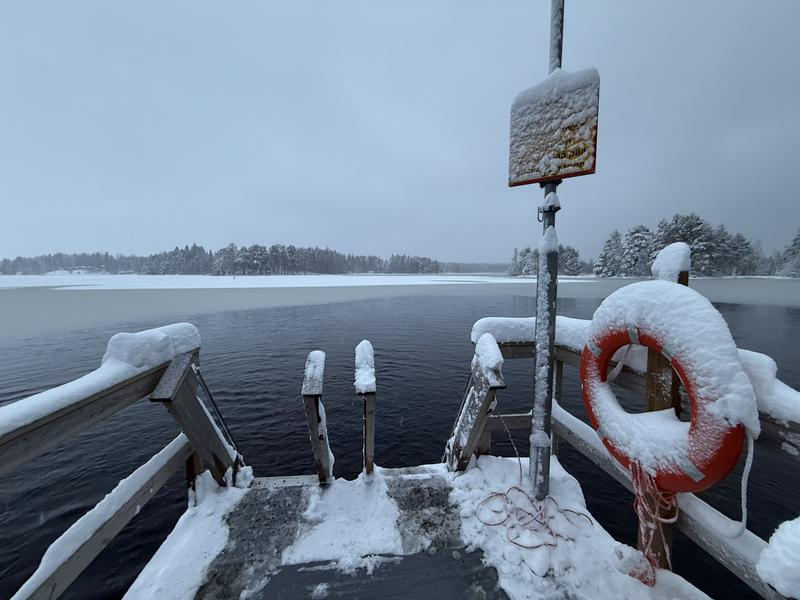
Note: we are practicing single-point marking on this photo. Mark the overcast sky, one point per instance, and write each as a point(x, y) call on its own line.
point(382, 126)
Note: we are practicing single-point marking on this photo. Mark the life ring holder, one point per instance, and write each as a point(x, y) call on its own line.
point(702, 469)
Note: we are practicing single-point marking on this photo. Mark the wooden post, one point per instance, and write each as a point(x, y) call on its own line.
point(315, 415)
point(369, 433)
point(662, 392)
point(365, 385)
point(194, 465)
point(177, 390)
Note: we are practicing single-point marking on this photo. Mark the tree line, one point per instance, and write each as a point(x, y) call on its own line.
point(277, 259)
point(715, 252)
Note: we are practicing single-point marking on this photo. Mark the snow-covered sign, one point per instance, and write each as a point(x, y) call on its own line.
point(554, 128)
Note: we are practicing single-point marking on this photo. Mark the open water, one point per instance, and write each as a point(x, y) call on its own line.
point(253, 362)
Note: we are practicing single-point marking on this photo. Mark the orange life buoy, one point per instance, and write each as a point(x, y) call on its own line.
point(713, 445)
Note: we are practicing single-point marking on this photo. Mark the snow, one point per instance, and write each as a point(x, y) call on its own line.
point(551, 201)
point(127, 354)
point(179, 567)
point(323, 431)
point(671, 260)
point(547, 243)
point(365, 368)
point(553, 126)
point(693, 332)
point(779, 564)
point(84, 528)
point(488, 352)
point(315, 366)
point(348, 522)
point(774, 397)
point(585, 562)
point(152, 347)
point(97, 281)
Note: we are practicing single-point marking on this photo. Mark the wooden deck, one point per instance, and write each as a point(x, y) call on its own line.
point(268, 518)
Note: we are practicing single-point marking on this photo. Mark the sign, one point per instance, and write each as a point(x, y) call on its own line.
point(554, 129)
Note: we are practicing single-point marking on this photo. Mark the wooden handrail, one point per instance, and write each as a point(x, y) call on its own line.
point(25, 443)
point(72, 552)
point(781, 436)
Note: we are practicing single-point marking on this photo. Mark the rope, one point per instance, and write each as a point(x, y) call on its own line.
point(522, 513)
point(653, 507)
point(748, 464)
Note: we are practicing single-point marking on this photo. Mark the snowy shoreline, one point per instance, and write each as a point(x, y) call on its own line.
point(33, 306)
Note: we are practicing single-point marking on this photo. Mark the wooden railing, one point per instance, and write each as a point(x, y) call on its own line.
point(701, 523)
point(172, 383)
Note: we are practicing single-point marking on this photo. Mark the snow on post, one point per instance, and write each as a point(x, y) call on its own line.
point(672, 260)
point(779, 564)
point(365, 368)
point(127, 355)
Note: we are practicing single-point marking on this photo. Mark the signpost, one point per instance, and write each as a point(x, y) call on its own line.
point(553, 136)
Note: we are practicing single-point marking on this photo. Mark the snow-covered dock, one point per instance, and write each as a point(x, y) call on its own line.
point(467, 527)
point(401, 533)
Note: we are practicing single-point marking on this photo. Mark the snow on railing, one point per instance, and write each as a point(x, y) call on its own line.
point(778, 403)
point(157, 363)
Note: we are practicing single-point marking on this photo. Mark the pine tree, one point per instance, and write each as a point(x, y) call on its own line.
point(569, 261)
point(610, 260)
point(694, 231)
point(514, 268)
point(790, 266)
point(636, 252)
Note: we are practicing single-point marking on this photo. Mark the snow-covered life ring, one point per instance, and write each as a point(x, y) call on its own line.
point(683, 326)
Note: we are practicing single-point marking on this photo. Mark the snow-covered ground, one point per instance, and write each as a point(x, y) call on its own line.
point(40, 305)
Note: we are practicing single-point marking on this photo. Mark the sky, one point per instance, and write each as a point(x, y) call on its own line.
point(381, 127)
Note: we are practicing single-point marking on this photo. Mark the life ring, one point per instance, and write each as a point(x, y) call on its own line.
point(712, 446)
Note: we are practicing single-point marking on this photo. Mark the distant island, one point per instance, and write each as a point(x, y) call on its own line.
point(256, 259)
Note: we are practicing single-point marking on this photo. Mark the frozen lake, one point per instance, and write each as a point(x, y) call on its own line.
point(33, 306)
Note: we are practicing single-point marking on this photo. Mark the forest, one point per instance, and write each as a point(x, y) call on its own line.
point(256, 259)
point(715, 252)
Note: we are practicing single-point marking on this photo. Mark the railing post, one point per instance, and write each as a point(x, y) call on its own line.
point(177, 390)
point(315, 415)
point(365, 387)
point(662, 392)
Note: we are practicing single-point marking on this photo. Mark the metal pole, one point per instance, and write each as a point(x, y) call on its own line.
point(546, 288)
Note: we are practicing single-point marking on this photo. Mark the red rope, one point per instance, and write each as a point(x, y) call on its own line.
point(520, 512)
point(653, 507)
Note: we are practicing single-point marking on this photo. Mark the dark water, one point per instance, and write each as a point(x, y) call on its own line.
point(253, 362)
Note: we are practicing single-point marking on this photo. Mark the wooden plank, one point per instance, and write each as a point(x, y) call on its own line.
point(473, 416)
point(59, 575)
point(695, 518)
point(314, 410)
point(369, 433)
point(25, 443)
point(172, 379)
point(196, 422)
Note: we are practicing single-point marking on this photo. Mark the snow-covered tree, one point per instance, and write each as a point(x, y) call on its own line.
point(514, 268)
point(694, 231)
point(636, 252)
point(528, 261)
point(791, 259)
point(610, 260)
point(569, 261)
